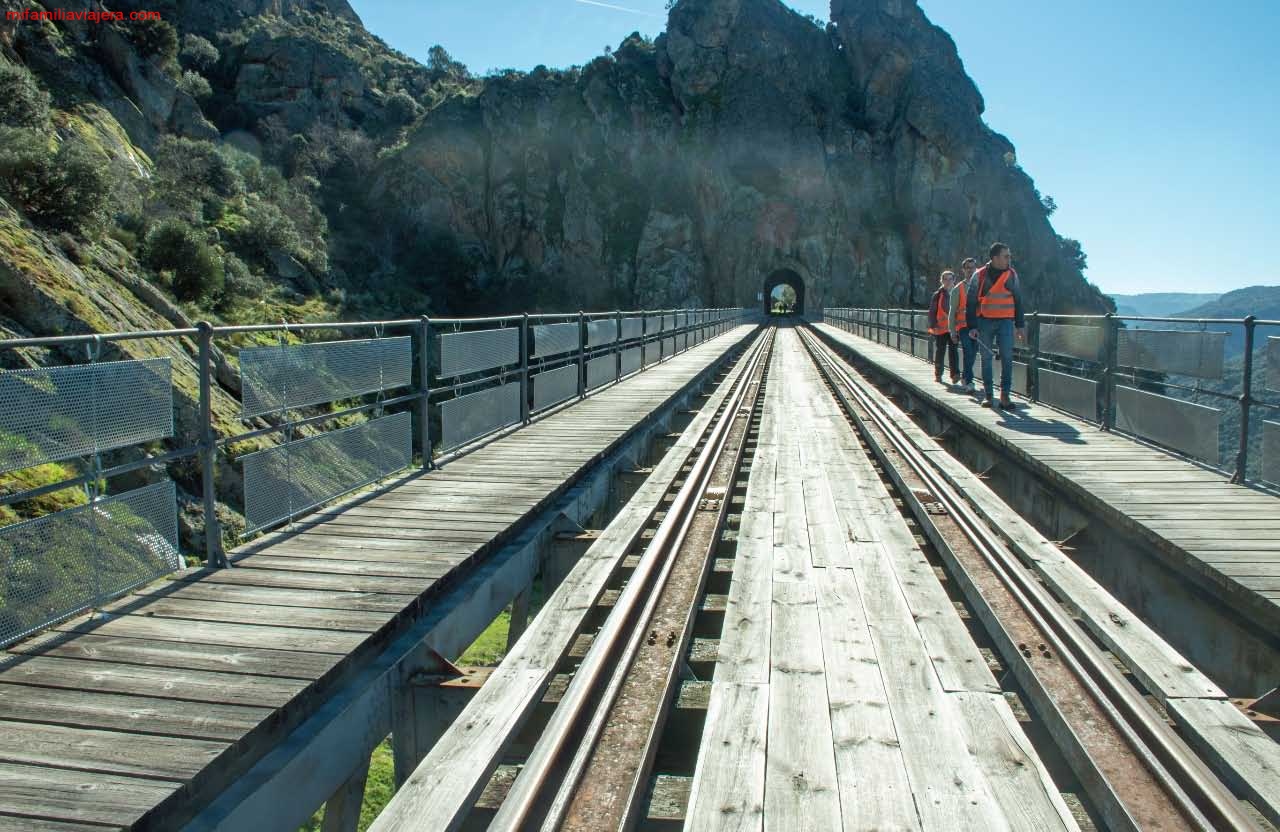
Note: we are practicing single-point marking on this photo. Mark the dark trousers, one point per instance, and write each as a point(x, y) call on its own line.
point(942, 346)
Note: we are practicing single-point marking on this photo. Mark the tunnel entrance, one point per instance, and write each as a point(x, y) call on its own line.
point(784, 293)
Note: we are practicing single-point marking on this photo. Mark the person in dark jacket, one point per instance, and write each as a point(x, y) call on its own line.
point(939, 328)
point(957, 322)
point(995, 318)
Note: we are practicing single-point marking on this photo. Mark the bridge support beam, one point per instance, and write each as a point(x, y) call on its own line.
point(342, 810)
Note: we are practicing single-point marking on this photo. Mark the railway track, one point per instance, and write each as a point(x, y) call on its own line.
point(1135, 767)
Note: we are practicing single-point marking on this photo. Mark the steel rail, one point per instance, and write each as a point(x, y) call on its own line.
point(1189, 783)
point(620, 631)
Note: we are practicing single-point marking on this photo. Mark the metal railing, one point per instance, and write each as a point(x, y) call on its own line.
point(306, 412)
point(1172, 382)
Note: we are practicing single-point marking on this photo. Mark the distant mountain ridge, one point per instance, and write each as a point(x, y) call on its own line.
point(1262, 302)
point(1160, 304)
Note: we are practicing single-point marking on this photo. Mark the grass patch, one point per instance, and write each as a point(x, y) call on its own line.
point(489, 648)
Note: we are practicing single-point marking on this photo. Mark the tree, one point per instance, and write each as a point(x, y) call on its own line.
point(198, 52)
point(1049, 205)
point(22, 102)
point(197, 269)
point(1073, 253)
point(439, 60)
point(67, 190)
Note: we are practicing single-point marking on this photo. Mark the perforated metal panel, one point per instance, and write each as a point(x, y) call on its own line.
point(920, 322)
point(1271, 451)
point(60, 564)
point(919, 347)
point(602, 332)
point(632, 328)
point(57, 413)
point(632, 360)
point(483, 349)
point(601, 371)
point(476, 414)
point(682, 320)
point(1197, 354)
point(552, 339)
point(1273, 363)
point(297, 375)
point(668, 346)
point(1183, 426)
point(1071, 393)
point(668, 323)
point(1076, 341)
point(652, 352)
point(290, 479)
point(554, 386)
point(1019, 377)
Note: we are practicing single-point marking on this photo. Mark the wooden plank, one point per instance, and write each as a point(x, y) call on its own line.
point(130, 714)
point(1236, 747)
point(231, 635)
point(159, 682)
point(1022, 786)
point(728, 792)
point(290, 664)
point(12, 823)
point(77, 796)
point(874, 791)
point(745, 635)
point(801, 789)
point(285, 579)
point(185, 608)
point(378, 602)
point(84, 749)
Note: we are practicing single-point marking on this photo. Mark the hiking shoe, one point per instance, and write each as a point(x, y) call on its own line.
point(955, 379)
point(937, 379)
point(986, 402)
point(1006, 404)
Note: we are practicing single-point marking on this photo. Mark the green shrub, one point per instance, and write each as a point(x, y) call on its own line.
point(67, 190)
point(154, 38)
point(197, 268)
point(401, 108)
point(241, 283)
point(198, 52)
point(264, 227)
point(22, 102)
point(195, 85)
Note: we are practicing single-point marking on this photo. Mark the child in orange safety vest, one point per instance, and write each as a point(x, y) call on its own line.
point(939, 314)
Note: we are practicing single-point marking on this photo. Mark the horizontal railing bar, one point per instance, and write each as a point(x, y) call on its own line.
point(106, 473)
point(61, 340)
point(323, 417)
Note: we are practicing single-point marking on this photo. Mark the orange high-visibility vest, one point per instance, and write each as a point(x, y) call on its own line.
point(939, 316)
point(996, 302)
point(962, 314)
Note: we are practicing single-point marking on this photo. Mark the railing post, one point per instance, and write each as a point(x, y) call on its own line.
point(524, 369)
point(617, 346)
point(1111, 346)
point(1033, 367)
point(582, 354)
point(424, 389)
point(1246, 401)
point(215, 557)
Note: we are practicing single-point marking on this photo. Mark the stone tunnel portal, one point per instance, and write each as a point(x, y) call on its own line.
point(784, 290)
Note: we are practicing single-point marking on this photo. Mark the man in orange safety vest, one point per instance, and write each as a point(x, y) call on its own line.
point(994, 315)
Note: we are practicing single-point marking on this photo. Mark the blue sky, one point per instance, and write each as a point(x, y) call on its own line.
point(1154, 124)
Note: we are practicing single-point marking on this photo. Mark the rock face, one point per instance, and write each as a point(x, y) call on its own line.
point(744, 141)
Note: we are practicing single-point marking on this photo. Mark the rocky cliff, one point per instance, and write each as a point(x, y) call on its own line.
point(253, 160)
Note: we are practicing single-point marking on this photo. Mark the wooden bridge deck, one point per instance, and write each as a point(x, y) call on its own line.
point(1225, 537)
point(848, 692)
point(128, 717)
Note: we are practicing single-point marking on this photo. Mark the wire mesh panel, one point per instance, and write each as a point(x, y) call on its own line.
point(1197, 354)
point(668, 346)
point(632, 360)
point(920, 321)
point(1273, 363)
point(1271, 452)
point(54, 413)
point(476, 414)
point(682, 320)
point(1185, 426)
point(285, 481)
point(919, 347)
point(602, 332)
point(1071, 393)
point(668, 323)
point(632, 328)
point(296, 375)
point(57, 565)
point(601, 371)
point(469, 352)
point(1076, 341)
point(552, 339)
point(554, 386)
point(652, 352)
